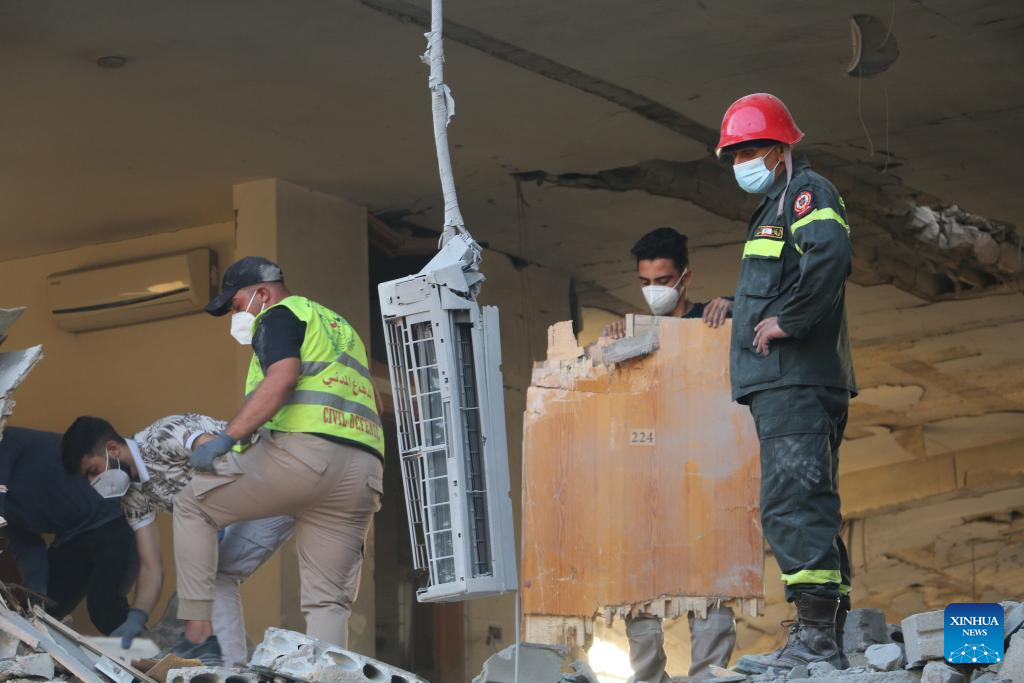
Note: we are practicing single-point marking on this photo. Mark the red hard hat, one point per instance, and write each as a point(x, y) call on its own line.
point(758, 117)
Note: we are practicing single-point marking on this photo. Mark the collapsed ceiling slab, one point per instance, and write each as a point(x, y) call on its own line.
point(920, 243)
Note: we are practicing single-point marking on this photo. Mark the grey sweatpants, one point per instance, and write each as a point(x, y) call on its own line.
point(712, 641)
point(242, 549)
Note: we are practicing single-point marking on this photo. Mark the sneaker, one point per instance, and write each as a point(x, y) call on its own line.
point(208, 652)
point(179, 647)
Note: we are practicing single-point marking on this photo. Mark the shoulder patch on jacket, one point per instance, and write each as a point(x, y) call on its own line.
point(802, 203)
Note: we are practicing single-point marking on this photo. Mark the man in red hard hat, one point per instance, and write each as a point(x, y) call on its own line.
point(790, 363)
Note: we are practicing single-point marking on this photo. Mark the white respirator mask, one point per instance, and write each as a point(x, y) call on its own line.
point(662, 300)
point(112, 483)
point(243, 324)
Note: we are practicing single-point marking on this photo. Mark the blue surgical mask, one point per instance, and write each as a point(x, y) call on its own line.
point(753, 176)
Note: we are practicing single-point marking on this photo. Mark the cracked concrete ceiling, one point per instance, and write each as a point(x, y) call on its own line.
point(330, 94)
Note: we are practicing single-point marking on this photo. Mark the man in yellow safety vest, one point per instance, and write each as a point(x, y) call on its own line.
point(318, 456)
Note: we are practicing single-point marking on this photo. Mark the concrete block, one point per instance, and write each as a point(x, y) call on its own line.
point(1012, 666)
point(540, 663)
point(887, 657)
point(1013, 618)
point(211, 674)
point(27, 666)
point(922, 636)
point(864, 628)
point(820, 669)
point(294, 655)
point(940, 672)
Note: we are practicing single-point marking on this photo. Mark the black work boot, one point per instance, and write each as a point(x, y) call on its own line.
point(841, 614)
point(811, 639)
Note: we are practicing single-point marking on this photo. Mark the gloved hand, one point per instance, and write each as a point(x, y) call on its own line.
point(202, 457)
point(133, 626)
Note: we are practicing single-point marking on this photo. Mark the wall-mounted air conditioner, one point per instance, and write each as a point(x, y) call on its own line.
point(444, 353)
point(135, 292)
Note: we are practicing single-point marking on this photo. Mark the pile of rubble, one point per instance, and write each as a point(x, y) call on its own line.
point(35, 648)
point(911, 652)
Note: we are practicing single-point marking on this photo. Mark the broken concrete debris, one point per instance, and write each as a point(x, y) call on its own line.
point(1013, 618)
point(1012, 666)
point(952, 228)
point(939, 672)
point(29, 666)
point(888, 657)
point(298, 657)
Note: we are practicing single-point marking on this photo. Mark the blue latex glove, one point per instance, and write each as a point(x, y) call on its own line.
point(202, 457)
point(132, 627)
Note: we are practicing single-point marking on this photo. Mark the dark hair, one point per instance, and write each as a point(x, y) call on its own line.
point(663, 243)
point(83, 437)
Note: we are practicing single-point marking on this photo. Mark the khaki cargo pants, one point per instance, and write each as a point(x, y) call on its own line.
point(330, 490)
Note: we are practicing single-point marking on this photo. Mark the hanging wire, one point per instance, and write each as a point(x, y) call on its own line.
point(443, 109)
point(860, 116)
point(888, 155)
point(892, 21)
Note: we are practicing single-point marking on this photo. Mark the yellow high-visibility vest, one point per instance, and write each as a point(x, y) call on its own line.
point(335, 394)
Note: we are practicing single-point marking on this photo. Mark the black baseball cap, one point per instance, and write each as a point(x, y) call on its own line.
point(251, 270)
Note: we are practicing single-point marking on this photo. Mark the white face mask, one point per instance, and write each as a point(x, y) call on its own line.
point(112, 483)
point(662, 300)
point(243, 322)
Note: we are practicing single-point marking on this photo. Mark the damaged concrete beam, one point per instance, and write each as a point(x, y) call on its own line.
point(936, 251)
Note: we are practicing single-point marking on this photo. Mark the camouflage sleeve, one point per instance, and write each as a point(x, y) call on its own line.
point(173, 435)
point(138, 510)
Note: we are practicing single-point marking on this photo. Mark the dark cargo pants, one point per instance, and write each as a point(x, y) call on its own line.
point(800, 429)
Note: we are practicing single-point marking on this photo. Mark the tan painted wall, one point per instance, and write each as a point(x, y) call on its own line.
point(135, 374)
point(128, 375)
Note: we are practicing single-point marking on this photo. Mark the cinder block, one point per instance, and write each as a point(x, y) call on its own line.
point(922, 636)
point(864, 628)
point(294, 655)
point(205, 674)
